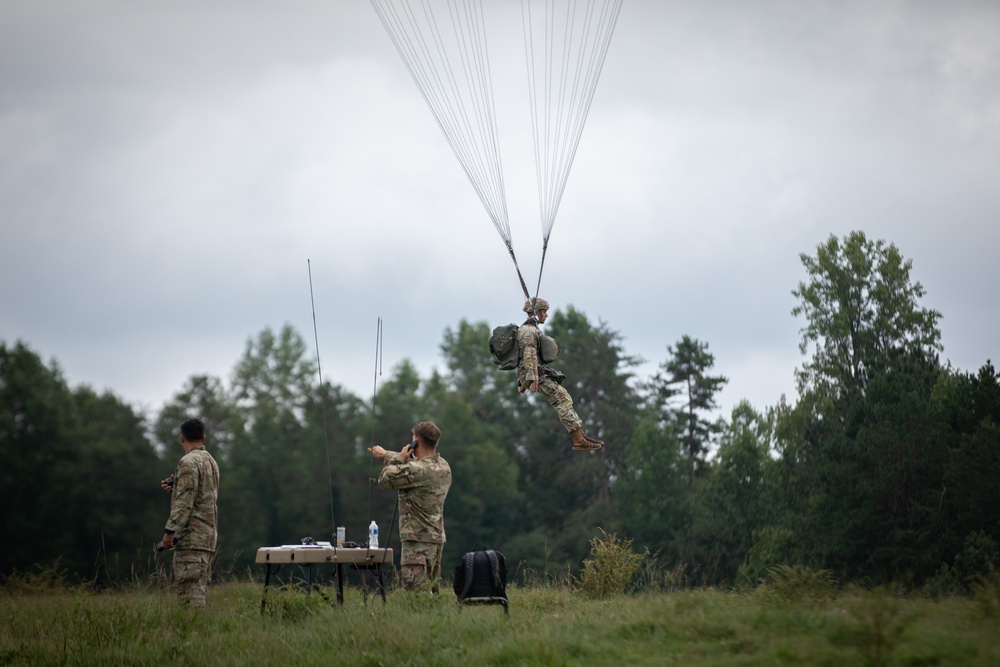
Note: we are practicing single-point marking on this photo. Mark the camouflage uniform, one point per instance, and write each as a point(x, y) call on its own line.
point(530, 368)
point(423, 485)
point(194, 522)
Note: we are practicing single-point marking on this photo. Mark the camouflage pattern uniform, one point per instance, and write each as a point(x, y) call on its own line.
point(530, 368)
point(194, 522)
point(423, 485)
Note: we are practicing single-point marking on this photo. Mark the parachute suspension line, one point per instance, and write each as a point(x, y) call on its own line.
point(463, 107)
point(545, 248)
point(524, 287)
point(563, 69)
point(319, 372)
point(560, 96)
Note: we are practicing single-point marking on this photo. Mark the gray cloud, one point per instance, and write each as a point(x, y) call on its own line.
point(166, 171)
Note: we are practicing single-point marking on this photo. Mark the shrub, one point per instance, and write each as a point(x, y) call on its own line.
point(42, 581)
point(881, 620)
point(986, 591)
point(610, 568)
point(772, 546)
point(979, 555)
point(944, 583)
point(798, 583)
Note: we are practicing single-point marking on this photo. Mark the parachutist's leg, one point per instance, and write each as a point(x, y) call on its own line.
point(561, 402)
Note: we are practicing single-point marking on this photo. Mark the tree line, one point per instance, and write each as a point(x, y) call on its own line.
point(882, 471)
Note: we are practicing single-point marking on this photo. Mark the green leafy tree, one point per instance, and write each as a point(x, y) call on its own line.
point(79, 483)
point(466, 356)
point(861, 310)
point(275, 486)
point(41, 461)
point(732, 506)
point(970, 405)
point(684, 375)
point(870, 454)
point(203, 397)
point(899, 458)
point(339, 425)
point(792, 532)
point(651, 494)
point(117, 509)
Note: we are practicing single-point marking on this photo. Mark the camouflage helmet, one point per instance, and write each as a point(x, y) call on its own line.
point(539, 304)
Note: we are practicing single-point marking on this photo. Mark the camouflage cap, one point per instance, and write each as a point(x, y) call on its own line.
point(539, 304)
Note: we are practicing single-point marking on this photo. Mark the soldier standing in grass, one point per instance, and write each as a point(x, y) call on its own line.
point(422, 478)
point(535, 352)
point(192, 527)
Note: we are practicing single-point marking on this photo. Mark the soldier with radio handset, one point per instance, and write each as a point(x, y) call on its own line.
point(423, 478)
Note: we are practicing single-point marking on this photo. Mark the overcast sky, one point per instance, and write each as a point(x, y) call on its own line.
point(167, 170)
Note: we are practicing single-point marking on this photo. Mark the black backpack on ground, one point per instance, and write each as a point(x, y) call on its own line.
point(503, 346)
point(482, 579)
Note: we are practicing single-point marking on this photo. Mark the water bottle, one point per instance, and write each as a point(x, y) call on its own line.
point(373, 535)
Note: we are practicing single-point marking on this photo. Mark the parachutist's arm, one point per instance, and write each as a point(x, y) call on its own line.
point(531, 360)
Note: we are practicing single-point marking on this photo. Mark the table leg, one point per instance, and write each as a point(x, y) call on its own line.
point(340, 584)
point(309, 573)
point(267, 581)
point(381, 583)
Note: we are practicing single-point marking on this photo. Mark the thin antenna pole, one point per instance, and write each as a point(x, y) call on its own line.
point(322, 398)
point(378, 371)
point(371, 478)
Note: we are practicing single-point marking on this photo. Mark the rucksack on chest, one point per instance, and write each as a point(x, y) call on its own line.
point(481, 578)
point(503, 346)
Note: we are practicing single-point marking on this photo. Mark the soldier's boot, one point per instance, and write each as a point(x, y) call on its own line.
point(584, 443)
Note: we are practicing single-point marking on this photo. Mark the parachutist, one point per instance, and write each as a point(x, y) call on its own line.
point(536, 352)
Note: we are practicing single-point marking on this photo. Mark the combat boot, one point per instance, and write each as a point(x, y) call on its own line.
point(583, 443)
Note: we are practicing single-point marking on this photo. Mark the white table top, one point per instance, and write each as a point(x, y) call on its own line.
point(308, 554)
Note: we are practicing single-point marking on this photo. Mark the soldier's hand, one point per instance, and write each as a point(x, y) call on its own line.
point(534, 386)
point(521, 388)
point(378, 451)
point(167, 484)
point(168, 540)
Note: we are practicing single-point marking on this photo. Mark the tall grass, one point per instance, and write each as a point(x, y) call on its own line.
point(45, 622)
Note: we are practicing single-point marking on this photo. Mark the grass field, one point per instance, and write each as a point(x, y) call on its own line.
point(547, 625)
